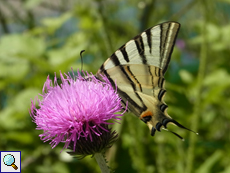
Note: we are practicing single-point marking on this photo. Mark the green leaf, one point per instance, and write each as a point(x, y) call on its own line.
point(21, 137)
point(209, 162)
point(221, 74)
point(227, 169)
point(13, 69)
point(23, 100)
point(21, 46)
point(7, 119)
point(186, 76)
point(52, 24)
point(30, 4)
point(13, 116)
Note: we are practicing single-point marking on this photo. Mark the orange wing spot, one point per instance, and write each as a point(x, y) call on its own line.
point(145, 114)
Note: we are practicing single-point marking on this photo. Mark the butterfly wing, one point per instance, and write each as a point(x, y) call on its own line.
point(138, 68)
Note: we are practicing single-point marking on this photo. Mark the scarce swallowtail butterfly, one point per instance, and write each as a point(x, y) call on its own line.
point(138, 69)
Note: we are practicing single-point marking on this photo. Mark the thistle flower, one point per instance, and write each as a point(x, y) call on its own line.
point(76, 112)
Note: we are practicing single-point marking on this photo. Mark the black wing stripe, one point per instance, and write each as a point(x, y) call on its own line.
point(133, 86)
point(125, 55)
point(165, 41)
point(171, 50)
point(161, 41)
point(149, 39)
point(161, 82)
point(132, 102)
point(164, 37)
point(140, 47)
point(150, 73)
point(157, 72)
point(161, 94)
point(133, 76)
point(163, 107)
point(102, 68)
point(115, 60)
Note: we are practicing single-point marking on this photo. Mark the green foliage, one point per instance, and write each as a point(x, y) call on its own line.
point(197, 81)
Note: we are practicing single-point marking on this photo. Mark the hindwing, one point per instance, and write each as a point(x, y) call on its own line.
point(137, 69)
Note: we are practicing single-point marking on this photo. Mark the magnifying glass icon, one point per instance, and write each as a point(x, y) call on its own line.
point(9, 160)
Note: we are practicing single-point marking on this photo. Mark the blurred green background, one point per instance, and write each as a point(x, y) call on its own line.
point(41, 37)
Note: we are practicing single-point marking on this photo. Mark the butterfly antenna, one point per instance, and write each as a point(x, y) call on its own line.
point(81, 59)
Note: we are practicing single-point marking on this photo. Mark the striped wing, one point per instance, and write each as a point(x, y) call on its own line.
point(138, 69)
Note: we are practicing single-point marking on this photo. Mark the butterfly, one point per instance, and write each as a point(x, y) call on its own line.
point(138, 68)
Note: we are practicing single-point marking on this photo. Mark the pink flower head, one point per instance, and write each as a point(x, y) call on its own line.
point(77, 109)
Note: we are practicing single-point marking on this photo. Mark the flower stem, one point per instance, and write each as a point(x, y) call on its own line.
point(197, 105)
point(101, 162)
